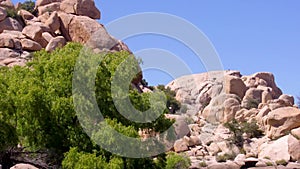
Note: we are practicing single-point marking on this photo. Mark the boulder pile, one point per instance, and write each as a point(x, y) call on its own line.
point(213, 100)
point(51, 24)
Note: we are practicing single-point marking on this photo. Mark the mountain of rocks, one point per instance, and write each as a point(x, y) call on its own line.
point(213, 99)
point(52, 24)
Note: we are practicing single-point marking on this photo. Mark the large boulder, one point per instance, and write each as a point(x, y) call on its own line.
point(294, 147)
point(280, 121)
point(6, 41)
point(235, 85)
point(27, 16)
point(35, 32)
point(30, 45)
point(270, 81)
point(222, 108)
point(81, 7)
point(53, 22)
point(78, 28)
point(55, 6)
point(275, 150)
point(81, 28)
point(10, 24)
point(3, 14)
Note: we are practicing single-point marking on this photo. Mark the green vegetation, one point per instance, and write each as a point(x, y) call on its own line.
point(281, 162)
point(225, 157)
point(12, 13)
point(252, 103)
point(176, 161)
point(202, 164)
point(238, 129)
point(269, 163)
point(28, 5)
point(172, 103)
point(36, 103)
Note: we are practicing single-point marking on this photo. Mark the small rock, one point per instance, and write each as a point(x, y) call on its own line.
point(58, 41)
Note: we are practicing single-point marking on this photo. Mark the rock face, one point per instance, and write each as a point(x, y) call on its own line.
point(280, 121)
point(276, 150)
point(10, 24)
point(81, 7)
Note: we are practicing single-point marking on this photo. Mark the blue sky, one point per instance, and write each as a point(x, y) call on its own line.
point(249, 36)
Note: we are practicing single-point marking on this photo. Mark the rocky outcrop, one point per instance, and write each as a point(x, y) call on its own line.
point(280, 121)
point(56, 23)
point(215, 98)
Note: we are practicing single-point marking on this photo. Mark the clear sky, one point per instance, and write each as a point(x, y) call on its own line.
point(249, 36)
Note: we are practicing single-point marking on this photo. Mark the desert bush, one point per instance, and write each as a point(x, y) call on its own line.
point(176, 161)
point(224, 158)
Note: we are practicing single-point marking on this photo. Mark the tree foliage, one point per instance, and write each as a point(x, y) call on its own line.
point(36, 103)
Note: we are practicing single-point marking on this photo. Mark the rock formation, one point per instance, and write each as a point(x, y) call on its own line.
point(215, 98)
point(55, 23)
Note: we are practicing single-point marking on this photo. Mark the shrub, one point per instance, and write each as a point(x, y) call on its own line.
point(281, 162)
point(11, 13)
point(269, 163)
point(28, 5)
point(238, 129)
point(251, 103)
point(176, 161)
point(202, 164)
point(224, 158)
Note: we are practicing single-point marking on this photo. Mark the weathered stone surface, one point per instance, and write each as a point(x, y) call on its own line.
point(47, 36)
point(23, 166)
point(81, 29)
point(262, 113)
point(53, 22)
point(27, 15)
point(287, 98)
point(180, 145)
point(270, 80)
point(275, 150)
point(294, 147)
point(58, 41)
point(34, 32)
point(280, 121)
point(222, 108)
point(235, 85)
point(49, 8)
point(81, 7)
point(266, 96)
point(296, 133)
point(6, 41)
point(14, 34)
point(101, 40)
point(45, 2)
point(7, 4)
point(30, 45)
point(252, 94)
point(8, 53)
point(10, 24)
point(3, 14)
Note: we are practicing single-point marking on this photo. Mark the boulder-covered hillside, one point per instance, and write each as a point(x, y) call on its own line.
point(232, 121)
point(237, 121)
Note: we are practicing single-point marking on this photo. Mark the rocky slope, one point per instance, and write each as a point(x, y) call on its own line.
point(216, 98)
point(51, 25)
